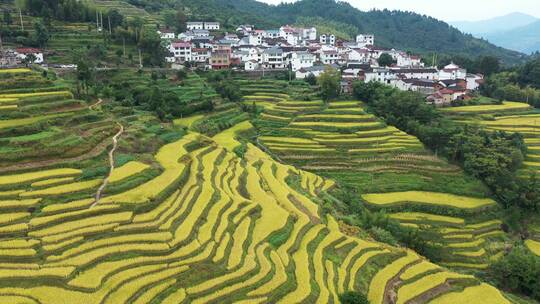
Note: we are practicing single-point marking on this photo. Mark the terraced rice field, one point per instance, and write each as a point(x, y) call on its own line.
point(391, 170)
point(506, 106)
point(226, 229)
point(193, 222)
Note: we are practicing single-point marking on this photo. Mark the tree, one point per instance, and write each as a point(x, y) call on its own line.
point(519, 271)
point(116, 18)
point(28, 59)
point(150, 45)
point(488, 65)
point(85, 74)
point(175, 19)
point(181, 20)
point(329, 81)
point(530, 74)
point(8, 20)
point(385, 60)
point(311, 79)
point(228, 90)
point(41, 34)
point(352, 297)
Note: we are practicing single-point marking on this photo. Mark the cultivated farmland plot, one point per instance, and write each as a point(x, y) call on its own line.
point(340, 140)
point(201, 224)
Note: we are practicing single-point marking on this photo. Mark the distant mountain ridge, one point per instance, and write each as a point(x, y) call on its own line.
point(516, 31)
point(502, 23)
point(525, 39)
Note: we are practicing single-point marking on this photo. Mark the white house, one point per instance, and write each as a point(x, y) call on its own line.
point(327, 39)
point(424, 86)
point(255, 38)
point(252, 54)
point(382, 75)
point(316, 70)
point(22, 53)
point(415, 73)
point(271, 34)
point(330, 57)
point(294, 39)
point(359, 55)
point(298, 60)
point(231, 36)
point(474, 81)
point(193, 34)
point(406, 60)
point(309, 33)
point(251, 65)
point(273, 58)
point(166, 34)
point(245, 29)
point(202, 42)
point(285, 30)
point(211, 26)
point(200, 55)
point(195, 25)
point(181, 51)
point(452, 71)
point(363, 40)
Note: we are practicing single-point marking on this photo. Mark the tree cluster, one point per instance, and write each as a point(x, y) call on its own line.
point(329, 82)
point(64, 10)
point(516, 84)
point(518, 271)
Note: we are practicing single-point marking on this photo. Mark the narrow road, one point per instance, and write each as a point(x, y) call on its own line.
point(111, 161)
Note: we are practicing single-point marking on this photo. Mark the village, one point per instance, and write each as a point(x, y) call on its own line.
point(306, 52)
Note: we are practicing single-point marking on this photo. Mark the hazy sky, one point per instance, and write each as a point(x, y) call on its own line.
point(454, 10)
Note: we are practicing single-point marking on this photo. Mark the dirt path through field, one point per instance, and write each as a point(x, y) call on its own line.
point(111, 162)
point(92, 107)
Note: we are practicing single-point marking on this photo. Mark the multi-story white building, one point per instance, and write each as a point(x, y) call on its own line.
point(415, 73)
point(211, 26)
point(309, 33)
point(201, 25)
point(382, 75)
point(330, 57)
point(364, 40)
point(452, 71)
point(327, 39)
point(200, 55)
point(245, 29)
point(181, 51)
point(298, 60)
point(272, 58)
point(271, 34)
point(195, 25)
point(166, 34)
point(251, 65)
point(255, 38)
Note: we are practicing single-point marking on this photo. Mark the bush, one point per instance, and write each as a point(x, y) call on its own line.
point(353, 297)
point(519, 271)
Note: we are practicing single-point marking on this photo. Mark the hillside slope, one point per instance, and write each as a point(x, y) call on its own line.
point(188, 222)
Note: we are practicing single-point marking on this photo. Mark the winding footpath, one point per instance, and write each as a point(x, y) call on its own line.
point(111, 161)
point(92, 107)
